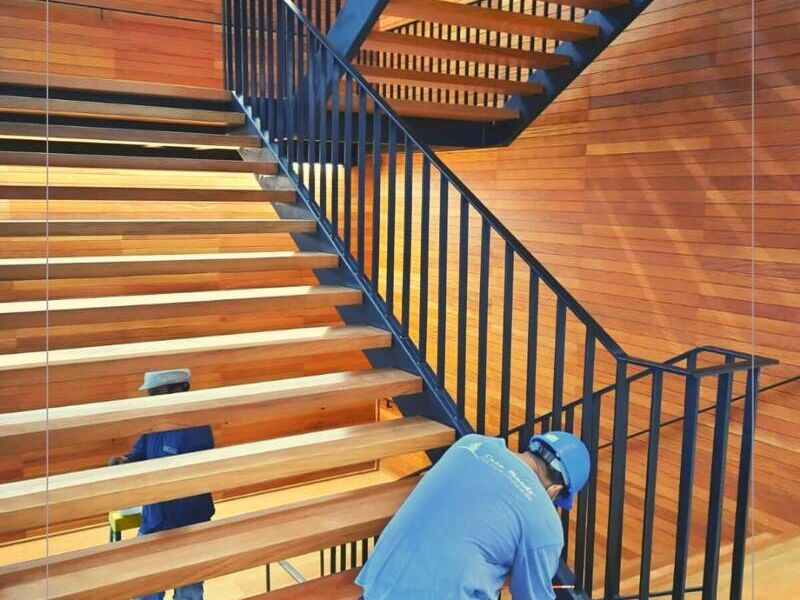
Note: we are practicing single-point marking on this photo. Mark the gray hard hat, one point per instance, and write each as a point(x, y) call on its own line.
point(154, 379)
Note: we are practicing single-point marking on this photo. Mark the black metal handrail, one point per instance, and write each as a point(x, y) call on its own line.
point(379, 195)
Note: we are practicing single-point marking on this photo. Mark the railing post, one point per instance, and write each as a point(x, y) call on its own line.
point(745, 483)
point(650, 483)
point(717, 485)
point(616, 504)
point(688, 449)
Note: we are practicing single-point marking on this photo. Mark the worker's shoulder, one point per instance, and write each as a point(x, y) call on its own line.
point(475, 438)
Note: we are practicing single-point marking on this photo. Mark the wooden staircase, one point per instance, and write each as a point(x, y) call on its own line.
point(160, 235)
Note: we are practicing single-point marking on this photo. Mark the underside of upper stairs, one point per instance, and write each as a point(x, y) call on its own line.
point(475, 73)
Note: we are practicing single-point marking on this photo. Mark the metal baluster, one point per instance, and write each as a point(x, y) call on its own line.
point(463, 285)
point(362, 178)
point(618, 465)
point(569, 426)
point(391, 208)
point(281, 109)
point(591, 496)
point(348, 162)
point(262, 66)
point(743, 488)
point(407, 217)
point(688, 450)
point(271, 96)
point(483, 324)
point(508, 313)
point(587, 409)
point(325, 66)
point(335, 142)
point(441, 340)
point(425, 224)
point(227, 43)
point(558, 362)
point(656, 391)
point(717, 486)
point(251, 26)
point(377, 117)
point(311, 75)
point(533, 333)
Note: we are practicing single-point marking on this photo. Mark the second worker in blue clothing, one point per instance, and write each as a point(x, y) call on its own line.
point(182, 511)
point(481, 515)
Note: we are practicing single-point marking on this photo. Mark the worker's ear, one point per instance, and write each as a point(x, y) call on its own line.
point(554, 491)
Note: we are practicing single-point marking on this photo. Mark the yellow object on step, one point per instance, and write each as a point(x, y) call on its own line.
point(121, 520)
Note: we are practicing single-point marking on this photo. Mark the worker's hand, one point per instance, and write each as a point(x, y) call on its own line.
point(117, 460)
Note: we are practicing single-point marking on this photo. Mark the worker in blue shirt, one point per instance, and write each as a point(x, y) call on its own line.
point(183, 511)
point(482, 514)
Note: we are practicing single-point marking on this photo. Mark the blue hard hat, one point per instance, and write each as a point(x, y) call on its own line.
point(568, 455)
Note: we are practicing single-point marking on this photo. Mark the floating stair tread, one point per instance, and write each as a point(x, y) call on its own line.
point(101, 227)
point(73, 133)
point(300, 296)
point(14, 269)
point(25, 504)
point(452, 13)
point(112, 86)
point(237, 404)
point(440, 110)
point(97, 161)
point(281, 342)
point(144, 194)
point(441, 80)
point(341, 586)
point(455, 112)
point(22, 105)
point(182, 556)
point(382, 41)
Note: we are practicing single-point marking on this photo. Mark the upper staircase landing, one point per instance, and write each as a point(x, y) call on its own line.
point(475, 74)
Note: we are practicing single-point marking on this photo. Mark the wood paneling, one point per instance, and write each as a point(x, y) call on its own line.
point(142, 40)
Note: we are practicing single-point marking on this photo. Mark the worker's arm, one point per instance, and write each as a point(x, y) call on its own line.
point(139, 452)
point(533, 571)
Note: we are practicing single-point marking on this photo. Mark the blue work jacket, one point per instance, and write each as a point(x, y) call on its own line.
point(183, 511)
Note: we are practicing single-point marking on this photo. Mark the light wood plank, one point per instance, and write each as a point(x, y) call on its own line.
point(424, 79)
point(284, 343)
point(409, 44)
point(28, 503)
point(91, 161)
point(97, 227)
point(112, 308)
point(83, 109)
point(112, 86)
point(463, 15)
point(12, 269)
point(233, 405)
point(110, 135)
point(158, 561)
point(134, 194)
point(340, 586)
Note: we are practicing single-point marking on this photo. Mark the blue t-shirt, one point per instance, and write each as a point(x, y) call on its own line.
point(479, 516)
point(183, 511)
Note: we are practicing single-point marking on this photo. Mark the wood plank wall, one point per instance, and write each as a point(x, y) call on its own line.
point(144, 40)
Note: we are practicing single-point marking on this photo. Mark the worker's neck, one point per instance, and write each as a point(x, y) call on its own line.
point(535, 466)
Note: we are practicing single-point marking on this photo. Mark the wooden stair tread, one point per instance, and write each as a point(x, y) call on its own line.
point(341, 586)
point(236, 404)
point(145, 113)
point(382, 41)
point(97, 491)
point(456, 112)
point(32, 192)
point(73, 310)
point(101, 227)
point(441, 80)
point(113, 86)
point(452, 13)
point(287, 342)
point(439, 110)
point(95, 161)
point(73, 133)
point(182, 556)
point(117, 266)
